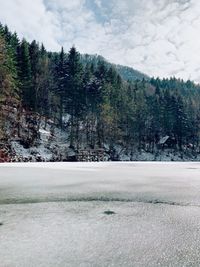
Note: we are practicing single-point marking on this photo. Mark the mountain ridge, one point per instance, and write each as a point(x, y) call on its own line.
point(127, 73)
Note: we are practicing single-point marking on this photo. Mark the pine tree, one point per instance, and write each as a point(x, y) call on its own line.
point(43, 83)
point(75, 93)
point(61, 83)
point(27, 90)
point(8, 85)
point(34, 55)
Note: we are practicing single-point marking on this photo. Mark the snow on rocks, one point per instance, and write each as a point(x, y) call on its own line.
point(52, 144)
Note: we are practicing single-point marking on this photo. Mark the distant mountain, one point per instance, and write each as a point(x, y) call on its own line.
point(127, 73)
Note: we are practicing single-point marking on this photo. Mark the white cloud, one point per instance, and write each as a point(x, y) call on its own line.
point(161, 37)
point(31, 20)
point(158, 37)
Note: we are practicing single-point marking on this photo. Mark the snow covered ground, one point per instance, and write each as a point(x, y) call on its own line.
point(99, 214)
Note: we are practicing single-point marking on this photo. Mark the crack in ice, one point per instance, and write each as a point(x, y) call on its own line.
point(99, 199)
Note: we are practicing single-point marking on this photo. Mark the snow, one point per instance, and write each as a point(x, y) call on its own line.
point(42, 131)
point(163, 140)
point(53, 145)
point(53, 214)
point(31, 154)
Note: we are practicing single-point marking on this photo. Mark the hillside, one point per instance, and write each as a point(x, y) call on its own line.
point(66, 106)
point(130, 74)
point(127, 73)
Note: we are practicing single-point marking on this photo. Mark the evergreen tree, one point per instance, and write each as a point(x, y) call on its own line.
point(8, 85)
point(61, 83)
point(75, 93)
point(27, 90)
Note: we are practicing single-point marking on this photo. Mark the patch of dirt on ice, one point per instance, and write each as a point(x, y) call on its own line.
point(109, 212)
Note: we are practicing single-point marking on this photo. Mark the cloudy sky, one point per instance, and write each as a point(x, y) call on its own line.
point(157, 37)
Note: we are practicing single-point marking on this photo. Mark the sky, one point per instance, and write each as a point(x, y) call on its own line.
point(158, 37)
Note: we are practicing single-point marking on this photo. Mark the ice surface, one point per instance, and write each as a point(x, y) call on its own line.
point(53, 214)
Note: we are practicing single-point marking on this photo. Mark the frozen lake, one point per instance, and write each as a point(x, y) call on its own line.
point(99, 214)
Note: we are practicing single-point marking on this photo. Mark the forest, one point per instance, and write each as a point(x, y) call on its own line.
point(91, 102)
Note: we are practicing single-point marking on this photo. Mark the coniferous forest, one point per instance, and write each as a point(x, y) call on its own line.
point(94, 105)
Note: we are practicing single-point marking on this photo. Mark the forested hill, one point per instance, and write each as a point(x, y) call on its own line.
point(69, 109)
point(126, 73)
